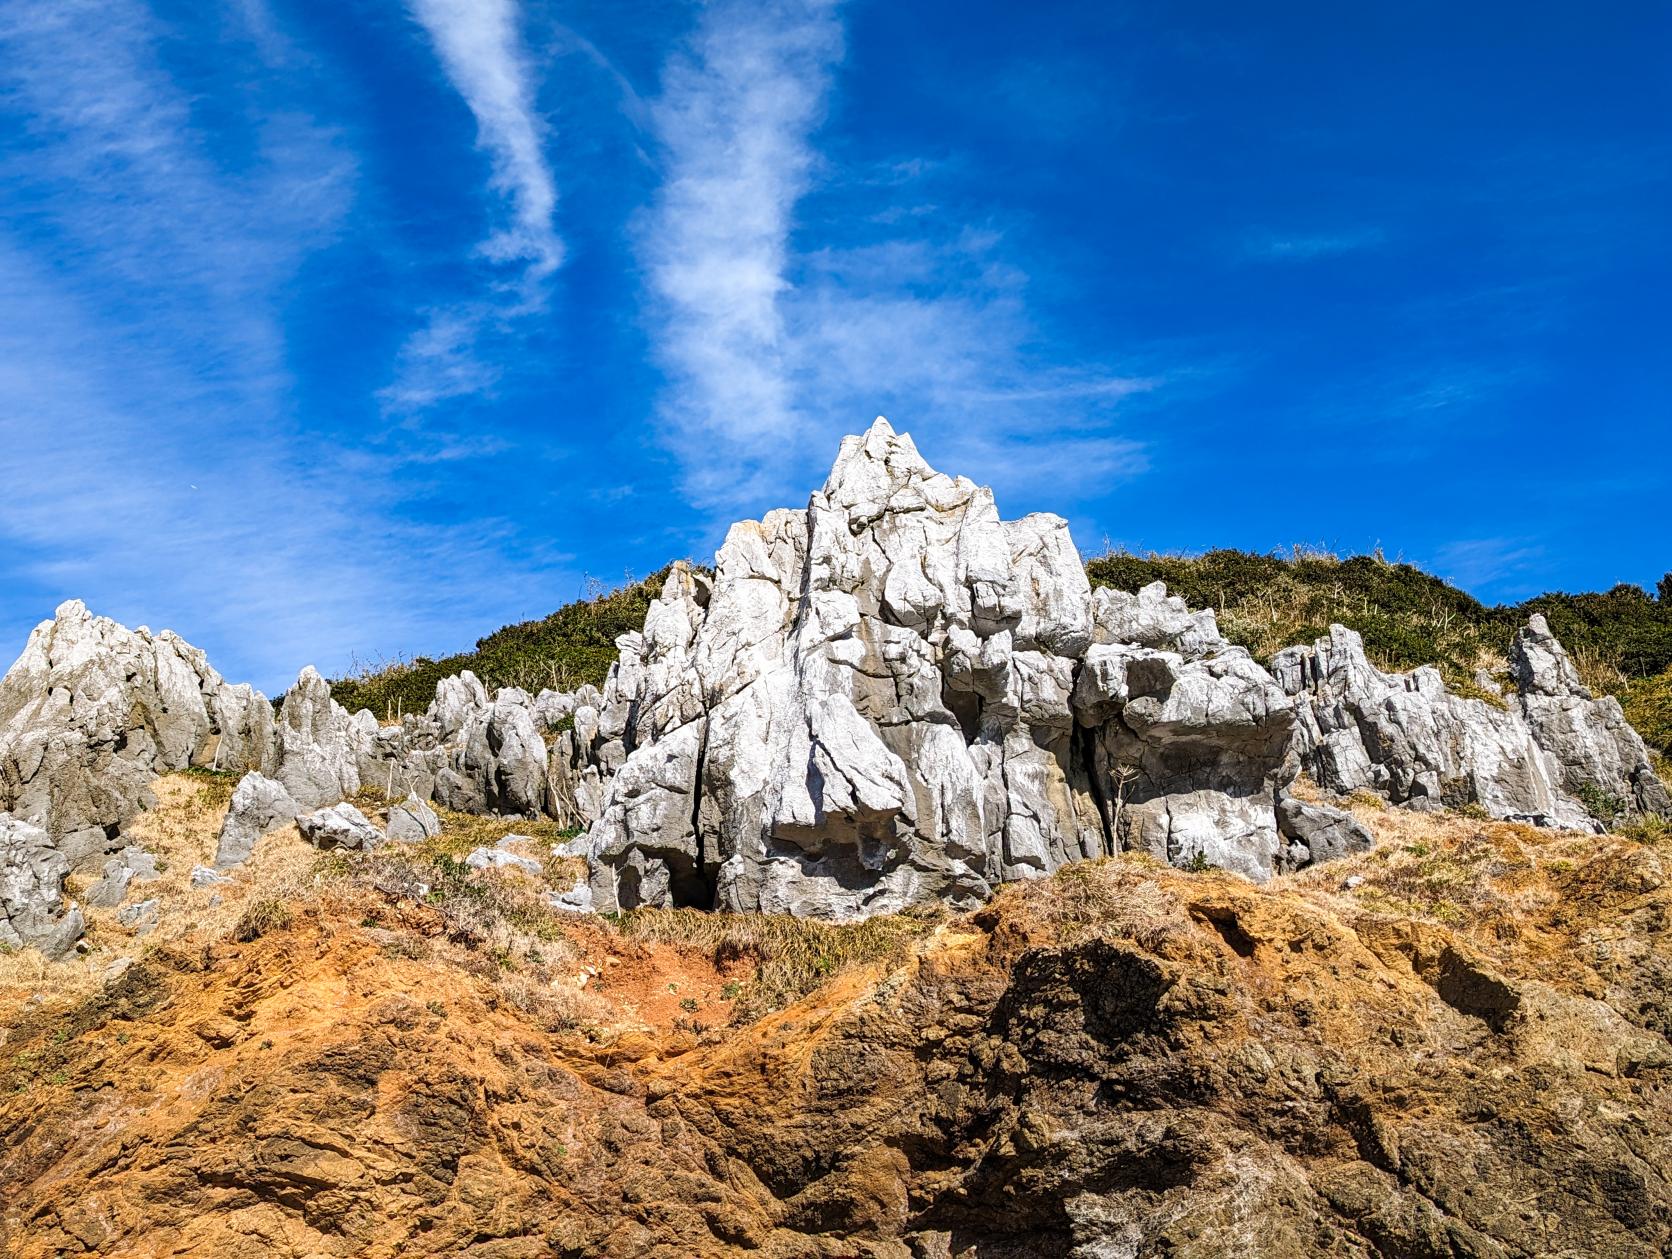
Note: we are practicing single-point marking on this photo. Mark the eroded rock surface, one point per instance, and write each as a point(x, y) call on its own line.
point(1596, 752)
point(92, 712)
point(1547, 754)
point(1125, 1060)
point(895, 696)
point(33, 912)
point(340, 826)
point(259, 805)
point(412, 821)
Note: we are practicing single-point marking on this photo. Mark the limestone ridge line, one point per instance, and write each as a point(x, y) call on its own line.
point(889, 697)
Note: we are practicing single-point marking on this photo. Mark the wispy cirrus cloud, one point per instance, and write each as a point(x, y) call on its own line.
point(1311, 246)
point(481, 52)
point(1488, 565)
point(735, 115)
point(771, 351)
point(153, 230)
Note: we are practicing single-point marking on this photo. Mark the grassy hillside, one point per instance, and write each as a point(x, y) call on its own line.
point(1621, 639)
point(573, 645)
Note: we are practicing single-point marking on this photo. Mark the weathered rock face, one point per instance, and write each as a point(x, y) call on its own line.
point(895, 696)
point(259, 805)
point(1594, 747)
point(319, 744)
point(92, 712)
point(126, 867)
point(32, 910)
point(412, 821)
point(1189, 736)
point(1535, 758)
point(340, 826)
point(1124, 1061)
point(1409, 738)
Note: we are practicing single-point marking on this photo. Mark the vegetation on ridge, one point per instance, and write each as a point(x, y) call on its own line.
point(1620, 639)
point(572, 646)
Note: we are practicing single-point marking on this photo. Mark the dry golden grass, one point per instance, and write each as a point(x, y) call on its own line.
point(1498, 883)
point(1115, 898)
point(180, 832)
point(791, 956)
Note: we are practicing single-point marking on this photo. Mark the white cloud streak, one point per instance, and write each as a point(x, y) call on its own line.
point(481, 53)
point(155, 466)
point(734, 118)
point(478, 46)
point(771, 353)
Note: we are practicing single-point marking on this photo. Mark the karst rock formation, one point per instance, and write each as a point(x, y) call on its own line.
point(888, 697)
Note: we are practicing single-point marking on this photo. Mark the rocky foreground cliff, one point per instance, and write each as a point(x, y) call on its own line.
point(1455, 1044)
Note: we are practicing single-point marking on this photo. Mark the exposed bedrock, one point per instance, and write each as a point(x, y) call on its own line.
point(1549, 753)
point(92, 712)
point(889, 697)
point(895, 696)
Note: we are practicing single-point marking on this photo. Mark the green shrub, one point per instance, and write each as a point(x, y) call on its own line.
point(572, 646)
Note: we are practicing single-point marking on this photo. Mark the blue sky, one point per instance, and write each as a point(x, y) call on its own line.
point(336, 331)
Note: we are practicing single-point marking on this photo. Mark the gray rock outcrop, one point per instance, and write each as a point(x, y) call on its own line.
point(130, 865)
point(92, 712)
point(891, 696)
point(508, 854)
point(1548, 754)
point(867, 706)
point(1598, 757)
point(140, 917)
point(340, 826)
point(259, 805)
point(1189, 737)
point(319, 744)
point(412, 821)
point(1407, 737)
point(895, 696)
point(33, 914)
point(1323, 833)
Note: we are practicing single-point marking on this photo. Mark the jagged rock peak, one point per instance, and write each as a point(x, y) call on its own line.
point(92, 711)
point(873, 703)
point(1595, 753)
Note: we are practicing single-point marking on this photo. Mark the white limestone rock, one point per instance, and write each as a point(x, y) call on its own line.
point(128, 866)
point(33, 913)
point(1153, 618)
point(1407, 737)
point(1320, 832)
point(320, 745)
point(412, 821)
point(140, 917)
point(340, 826)
point(1597, 751)
point(259, 805)
point(92, 712)
point(501, 857)
point(1188, 755)
point(864, 708)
